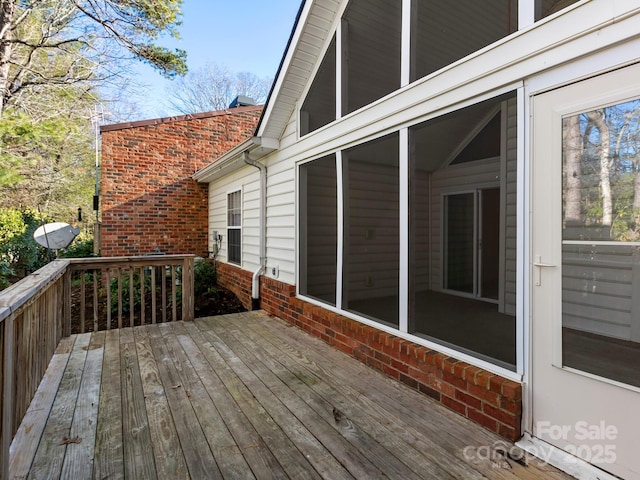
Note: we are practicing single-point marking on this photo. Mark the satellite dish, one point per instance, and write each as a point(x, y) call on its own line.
point(55, 235)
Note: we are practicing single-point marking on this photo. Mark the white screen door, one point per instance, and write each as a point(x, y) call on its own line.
point(585, 270)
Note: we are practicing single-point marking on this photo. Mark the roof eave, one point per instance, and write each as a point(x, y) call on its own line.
point(256, 147)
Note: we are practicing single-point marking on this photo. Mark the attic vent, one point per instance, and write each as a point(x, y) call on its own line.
point(242, 101)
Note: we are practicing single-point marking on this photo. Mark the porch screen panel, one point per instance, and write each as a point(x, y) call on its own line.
point(448, 31)
point(371, 57)
point(372, 208)
point(319, 107)
point(544, 8)
point(601, 242)
point(318, 229)
point(462, 230)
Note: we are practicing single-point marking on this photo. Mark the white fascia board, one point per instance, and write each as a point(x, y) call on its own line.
point(256, 147)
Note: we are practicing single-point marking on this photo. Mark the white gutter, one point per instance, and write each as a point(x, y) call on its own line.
point(255, 281)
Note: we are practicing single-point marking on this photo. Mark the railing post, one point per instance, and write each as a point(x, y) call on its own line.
point(7, 394)
point(188, 301)
point(66, 315)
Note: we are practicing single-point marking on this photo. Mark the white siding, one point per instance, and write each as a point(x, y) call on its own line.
point(511, 209)
point(281, 211)
point(600, 290)
point(372, 249)
point(247, 180)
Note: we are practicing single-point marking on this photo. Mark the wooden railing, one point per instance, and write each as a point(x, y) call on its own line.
point(127, 291)
point(73, 296)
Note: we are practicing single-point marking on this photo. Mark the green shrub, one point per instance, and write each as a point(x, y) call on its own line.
point(81, 247)
point(205, 277)
point(5, 273)
point(161, 275)
point(17, 247)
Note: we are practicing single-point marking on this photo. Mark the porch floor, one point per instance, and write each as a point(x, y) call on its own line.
point(240, 396)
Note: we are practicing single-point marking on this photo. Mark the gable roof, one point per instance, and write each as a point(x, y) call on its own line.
point(312, 28)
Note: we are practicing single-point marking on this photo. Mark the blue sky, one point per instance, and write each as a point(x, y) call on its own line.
point(242, 35)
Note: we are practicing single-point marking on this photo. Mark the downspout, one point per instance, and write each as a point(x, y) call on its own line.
point(255, 281)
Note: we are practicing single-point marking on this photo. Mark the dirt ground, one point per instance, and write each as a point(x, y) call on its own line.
point(223, 302)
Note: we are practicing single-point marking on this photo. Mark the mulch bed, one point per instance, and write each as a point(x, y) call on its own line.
point(221, 303)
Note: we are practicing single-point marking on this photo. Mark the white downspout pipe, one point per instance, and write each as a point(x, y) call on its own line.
point(255, 281)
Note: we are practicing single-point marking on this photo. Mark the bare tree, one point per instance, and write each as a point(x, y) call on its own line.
point(213, 88)
point(45, 44)
point(573, 152)
point(628, 135)
point(599, 119)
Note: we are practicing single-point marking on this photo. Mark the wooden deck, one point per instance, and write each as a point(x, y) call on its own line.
point(240, 396)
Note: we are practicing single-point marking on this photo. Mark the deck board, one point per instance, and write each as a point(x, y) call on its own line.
point(51, 451)
point(331, 404)
point(78, 460)
point(169, 458)
point(262, 462)
point(109, 453)
point(276, 401)
point(242, 396)
point(198, 457)
point(139, 461)
point(29, 434)
point(222, 445)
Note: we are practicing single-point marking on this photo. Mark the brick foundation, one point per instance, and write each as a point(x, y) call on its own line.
point(236, 280)
point(488, 399)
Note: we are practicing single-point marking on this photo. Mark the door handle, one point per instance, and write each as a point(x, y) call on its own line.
point(538, 263)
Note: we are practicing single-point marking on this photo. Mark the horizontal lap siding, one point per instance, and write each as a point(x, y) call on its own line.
point(246, 179)
point(420, 260)
point(373, 225)
point(511, 209)
point(281, 210)
point(598, 289)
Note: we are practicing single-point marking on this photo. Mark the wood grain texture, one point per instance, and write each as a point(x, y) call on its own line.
point(242, 396)
point(138, 457)
point(78, 460)
point(109, 454)
point(51, 451)
point(170, 461)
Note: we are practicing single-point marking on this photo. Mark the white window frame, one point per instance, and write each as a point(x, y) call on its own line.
point(234, 227)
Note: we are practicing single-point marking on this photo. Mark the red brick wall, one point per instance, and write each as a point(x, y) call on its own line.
point(148, 200)
point(236, 280)
point(488, 399)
